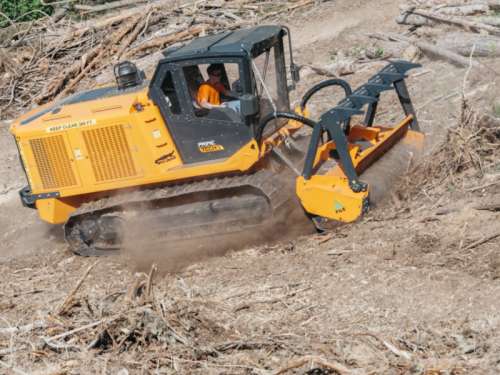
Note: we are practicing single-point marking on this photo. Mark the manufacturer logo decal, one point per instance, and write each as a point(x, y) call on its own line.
point(71, 125)
point(209, 146)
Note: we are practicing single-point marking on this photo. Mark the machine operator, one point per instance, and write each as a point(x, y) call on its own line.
point(208, 95)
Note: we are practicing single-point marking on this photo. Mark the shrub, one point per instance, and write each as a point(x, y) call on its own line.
point(22, 10)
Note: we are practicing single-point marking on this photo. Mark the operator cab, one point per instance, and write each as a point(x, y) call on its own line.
point(250, 72)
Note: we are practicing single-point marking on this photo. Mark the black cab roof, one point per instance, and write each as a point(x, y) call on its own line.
point(244, 42)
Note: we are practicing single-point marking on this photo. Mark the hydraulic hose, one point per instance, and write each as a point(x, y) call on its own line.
point(271, 116)
point(329, 82)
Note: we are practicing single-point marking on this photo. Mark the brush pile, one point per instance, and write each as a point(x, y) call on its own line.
point(51, 57)
point(147, 325)
point(474, 144)
point(469, 153)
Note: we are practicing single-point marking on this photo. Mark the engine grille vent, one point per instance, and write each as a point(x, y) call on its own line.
point(52, 161)
point(109, 153)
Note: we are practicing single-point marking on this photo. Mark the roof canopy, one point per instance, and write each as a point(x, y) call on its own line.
point(245, 42)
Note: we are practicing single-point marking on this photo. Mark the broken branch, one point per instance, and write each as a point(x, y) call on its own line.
point(63, 308)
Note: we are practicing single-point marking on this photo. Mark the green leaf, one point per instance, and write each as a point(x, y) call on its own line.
point(22, 11)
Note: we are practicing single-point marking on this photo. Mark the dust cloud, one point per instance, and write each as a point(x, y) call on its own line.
point(174, 243)
point(171, 253)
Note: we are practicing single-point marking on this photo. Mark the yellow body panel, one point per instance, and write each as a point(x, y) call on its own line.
point(331, 197)
point(105, 145)
point(54, 210)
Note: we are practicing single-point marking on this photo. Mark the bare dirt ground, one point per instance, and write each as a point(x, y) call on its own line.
point(413, 288)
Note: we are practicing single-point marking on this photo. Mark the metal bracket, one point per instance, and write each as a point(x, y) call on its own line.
point(29, 200)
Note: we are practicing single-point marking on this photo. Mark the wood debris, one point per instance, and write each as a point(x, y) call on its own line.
point(474, 22)
point(70, 54)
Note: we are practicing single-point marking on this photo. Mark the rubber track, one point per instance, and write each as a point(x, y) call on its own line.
point(263, 180)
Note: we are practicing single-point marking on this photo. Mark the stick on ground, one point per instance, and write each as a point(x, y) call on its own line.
point(482, 240)
point(67, 302)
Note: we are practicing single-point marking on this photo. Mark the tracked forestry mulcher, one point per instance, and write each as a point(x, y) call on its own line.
point(146, 156)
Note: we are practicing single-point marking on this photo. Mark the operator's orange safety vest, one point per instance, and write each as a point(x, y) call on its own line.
point(208, 92)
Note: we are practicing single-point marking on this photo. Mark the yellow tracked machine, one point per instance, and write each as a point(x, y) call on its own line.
point(147, 159)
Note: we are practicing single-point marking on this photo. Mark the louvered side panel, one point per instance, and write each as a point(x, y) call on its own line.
point(52, 161)
point(109, 153)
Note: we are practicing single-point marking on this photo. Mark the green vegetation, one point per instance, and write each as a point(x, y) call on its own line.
point(22, 10)
point(379, 52)
point(496, 110)
point(358, 51)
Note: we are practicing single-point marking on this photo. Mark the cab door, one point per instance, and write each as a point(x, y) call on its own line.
point(199, 134)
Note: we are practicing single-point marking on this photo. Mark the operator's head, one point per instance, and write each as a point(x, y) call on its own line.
point(215, 71)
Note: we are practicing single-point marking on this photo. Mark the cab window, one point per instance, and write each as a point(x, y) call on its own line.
point(214, 90)
point(267, 68)
point(170, 93)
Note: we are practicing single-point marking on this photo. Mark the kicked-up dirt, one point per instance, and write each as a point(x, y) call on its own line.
point(412, 288)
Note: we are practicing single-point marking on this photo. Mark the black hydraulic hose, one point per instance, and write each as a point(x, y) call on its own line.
point(274, 115)
point(329, 82)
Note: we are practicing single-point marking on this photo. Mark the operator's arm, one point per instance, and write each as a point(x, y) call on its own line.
point(223, 90)
point(207, 105)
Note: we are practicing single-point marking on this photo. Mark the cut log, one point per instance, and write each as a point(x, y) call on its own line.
point(436, 5)
point(433, 50)
point(106, 22)
point(495, 206)
point(139, 27)
point(62, 84)
point(428, 32)
point(108, 5)
point(456, 21)
point(462, 43)
point(494, 4)
point(466, 10)
point(413, 20)
point(163, 41)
